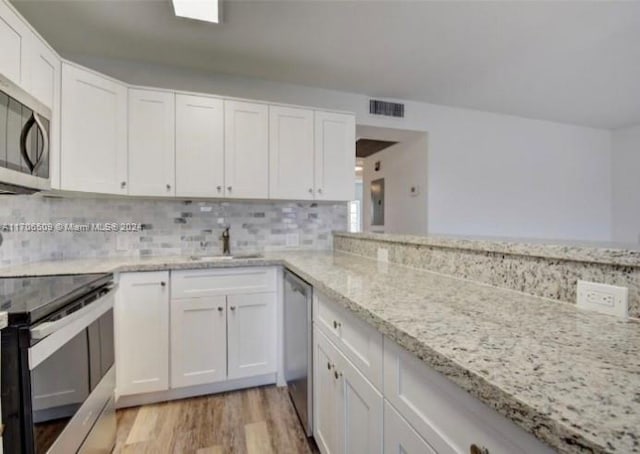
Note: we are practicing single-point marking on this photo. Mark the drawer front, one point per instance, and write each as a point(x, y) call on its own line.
point(210, 282)
point(359, 342)
point(400, 437)
point(446, 416)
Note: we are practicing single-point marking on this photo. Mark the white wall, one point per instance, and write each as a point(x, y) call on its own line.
point(402, 165)
point(488, 174)
point(626, 184)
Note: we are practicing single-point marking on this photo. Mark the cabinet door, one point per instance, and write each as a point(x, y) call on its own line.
point(350, 421)
point(361, 411)
point(290, 153)
point(151, 143)
point(251, 334)
point(325, 395)
point(198, 341)
point(199, 146)
point(400, 437)
point(246, 150)
point(142, 330)
point(13, 36)
point(93, 132)
point(335, 156)
point(44, 74)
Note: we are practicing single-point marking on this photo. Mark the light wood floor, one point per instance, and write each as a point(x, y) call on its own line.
point(253, 421)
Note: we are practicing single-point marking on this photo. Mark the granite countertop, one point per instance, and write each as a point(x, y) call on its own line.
point(580, 251)
point(570, 377)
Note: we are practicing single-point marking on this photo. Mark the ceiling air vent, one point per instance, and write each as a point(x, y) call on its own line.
point(389, 109)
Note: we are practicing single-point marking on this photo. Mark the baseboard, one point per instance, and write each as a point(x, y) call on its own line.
point(193, 391)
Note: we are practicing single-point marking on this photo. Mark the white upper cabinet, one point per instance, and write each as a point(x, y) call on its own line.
point(290, 153)
point(44, 68)
point(13, 37)
point(93, 132)
point(151, 143)
point(43, 72)
point(246, 151)
point(335, 156)
point(199, 146)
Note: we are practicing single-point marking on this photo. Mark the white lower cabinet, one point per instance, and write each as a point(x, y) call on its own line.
point(356, 374)
point(251, 335)
point(211, 330)
point(446, 416)
point(400, 437)
point(198, 341)
point(348, 410)
point(142, 332)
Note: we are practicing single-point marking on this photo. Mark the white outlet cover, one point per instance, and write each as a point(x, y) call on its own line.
point(293, 239)
point(603, 298)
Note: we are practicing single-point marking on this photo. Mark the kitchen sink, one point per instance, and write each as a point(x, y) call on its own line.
point(217, 258)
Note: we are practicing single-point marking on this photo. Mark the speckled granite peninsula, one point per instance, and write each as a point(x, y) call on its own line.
point(537, 267)
point(571, 378)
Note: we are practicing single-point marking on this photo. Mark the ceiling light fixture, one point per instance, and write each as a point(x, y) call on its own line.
point(204, 10)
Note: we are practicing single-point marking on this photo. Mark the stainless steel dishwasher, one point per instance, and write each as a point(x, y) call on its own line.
point(298, 336)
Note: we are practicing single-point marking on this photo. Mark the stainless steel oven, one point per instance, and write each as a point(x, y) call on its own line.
point(24, 141)
point(58, 372)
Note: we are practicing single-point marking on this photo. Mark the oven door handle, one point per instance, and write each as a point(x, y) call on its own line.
point(55, 334)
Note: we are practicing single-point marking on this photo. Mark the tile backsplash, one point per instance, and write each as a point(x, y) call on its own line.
point(170, 227)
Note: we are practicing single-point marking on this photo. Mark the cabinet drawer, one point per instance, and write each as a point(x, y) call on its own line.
point(228, 281)
point(400, 437)
point(446, 416)
point(359, 342)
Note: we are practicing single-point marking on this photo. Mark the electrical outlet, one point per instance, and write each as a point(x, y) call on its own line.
point(293, 239)
point(603, 298)
point(383, 254)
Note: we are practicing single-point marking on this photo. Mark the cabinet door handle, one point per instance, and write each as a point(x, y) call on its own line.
point(168, 187)
point(320, 191)
point(336, 324)
point(219, 188)
point(163, 284)
point(233, 308)
point(220, 309)
point(123, 184)
point(474, 449)
point(337, 374)
point(229, 188)
point(310, 190)
point(328, 365)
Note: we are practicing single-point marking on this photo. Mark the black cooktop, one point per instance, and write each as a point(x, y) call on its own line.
point(29, 299)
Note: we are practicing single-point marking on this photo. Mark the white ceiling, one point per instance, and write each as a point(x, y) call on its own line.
point(575, 62)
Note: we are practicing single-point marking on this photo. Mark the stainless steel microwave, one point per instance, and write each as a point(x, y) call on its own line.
point(24, 141)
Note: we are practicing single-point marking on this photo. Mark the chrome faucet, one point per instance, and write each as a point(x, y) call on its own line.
point(226, 237)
